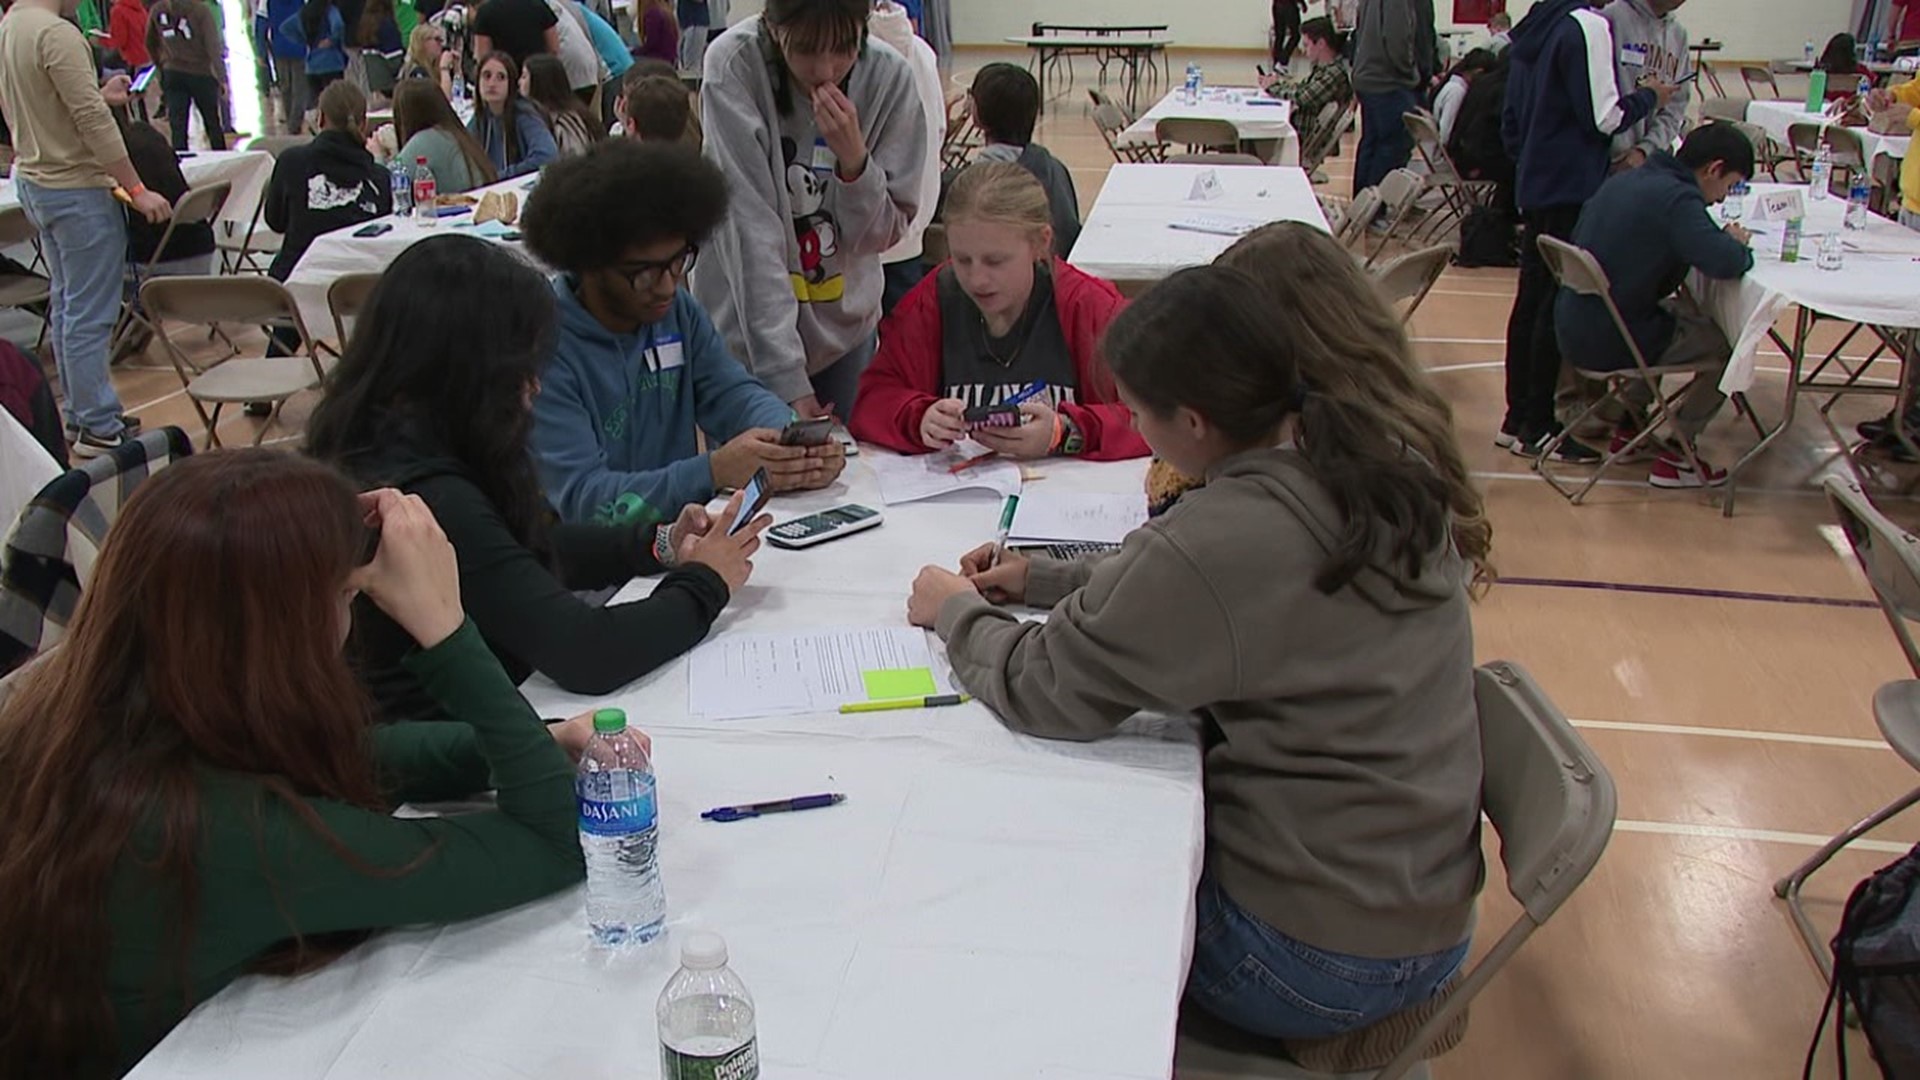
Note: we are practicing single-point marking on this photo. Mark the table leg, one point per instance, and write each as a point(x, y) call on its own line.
point(1796, 359)
point(1713, 80)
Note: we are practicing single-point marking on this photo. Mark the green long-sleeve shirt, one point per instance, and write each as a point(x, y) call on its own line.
point(265, 872)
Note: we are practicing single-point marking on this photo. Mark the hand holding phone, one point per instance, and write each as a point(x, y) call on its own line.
point(816, 431)
point(753, 499)
point(992, 416)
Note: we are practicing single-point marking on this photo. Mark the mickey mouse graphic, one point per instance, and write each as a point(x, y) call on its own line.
point(815, 230)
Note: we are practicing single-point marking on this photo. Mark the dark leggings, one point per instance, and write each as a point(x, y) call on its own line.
point(1286, 31)
point(185, 89)
point(1533, 349)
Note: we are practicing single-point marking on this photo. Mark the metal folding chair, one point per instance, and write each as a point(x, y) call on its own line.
point(1334, 121)
point(1400, 191)
point(197, 206)
point(1458, 196)
point(29, 291)
point(346, 298)
point(1576, 269)
point(1552, 804)
point(243, 299)
point(1760, 79)
point(1409, 278)
point(246, 252)
point(1214, 157)
point(1351, 229)
point(1125, 148)
point(1198, 135)
point(1890, 557)
point(1845, 149)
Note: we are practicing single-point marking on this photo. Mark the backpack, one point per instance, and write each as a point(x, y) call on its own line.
point(1876, 970)
point(1488, 237)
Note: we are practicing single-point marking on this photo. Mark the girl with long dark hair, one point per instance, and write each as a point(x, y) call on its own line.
point(1310, 603)
point(508, 126)
point(434, 397)
point(427, 127)
point(195, 790)
point(574, 126)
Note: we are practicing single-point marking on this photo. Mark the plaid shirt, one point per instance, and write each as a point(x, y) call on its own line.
point(1325, 83)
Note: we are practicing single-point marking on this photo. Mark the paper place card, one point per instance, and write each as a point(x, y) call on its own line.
point(1206, 187)
point(1780, 205)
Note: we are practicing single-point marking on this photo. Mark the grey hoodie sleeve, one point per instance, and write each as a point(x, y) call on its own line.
point(750, 246)
point(876, 208)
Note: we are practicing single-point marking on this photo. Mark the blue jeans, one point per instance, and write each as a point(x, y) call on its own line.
point(838, 383)
point(84, 234)
point(1262, 981)
point(1384, 142)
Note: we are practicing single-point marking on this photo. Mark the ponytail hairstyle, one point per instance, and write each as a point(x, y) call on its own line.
point(1213, 340)
point(1360, 356)
point(1322, 29)
point(809, 26)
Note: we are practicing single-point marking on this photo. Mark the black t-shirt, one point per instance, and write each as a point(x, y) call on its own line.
point(517, 27)
point(981, 369)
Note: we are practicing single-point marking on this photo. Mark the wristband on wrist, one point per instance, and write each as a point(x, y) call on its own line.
point(663, 544)
point(137, 190)
point(1059, 433)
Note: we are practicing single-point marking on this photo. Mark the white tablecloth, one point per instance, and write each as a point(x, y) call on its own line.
point(25, 468)
point(1128, 236)
point(338, 253)
point(247, 169)
point(983, 905)
point(1879, 283)
point(1234, 104)
point(1773, 117)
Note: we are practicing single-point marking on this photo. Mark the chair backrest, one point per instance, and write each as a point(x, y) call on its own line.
point(1804, 139)
point(199, 205)
point(1575, 268)
point(210, 300)
point(1888, 554)
point(1755, 134)
point(275, 145)
point(1729, 109)
point(1360, 213)
point(1197, 132)
point(1433, 149)
point(1552, 803)
point(1399, 188)
point(1752, 75)
point(1319, 142)
point(1109, 118)
point(15, 228)
point(1848, 149)
point(346, 297)
point(1411, 276)
point(1214, 157)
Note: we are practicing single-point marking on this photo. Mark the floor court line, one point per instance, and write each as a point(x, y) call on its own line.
point(1764, 836)
point(1746, 734)
point(1687, 590)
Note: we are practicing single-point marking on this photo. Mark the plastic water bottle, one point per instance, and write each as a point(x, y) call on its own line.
point(1809, 48)
point(1735, 206)
point(706, 1017)
point(1866, 87)
point(618, 829)
point(1190, 92)
point(1829, 256)
point(1199, 81)
point(1821, 177)
point(402, 187)
point(1790, 240)
point(459, 87)
point(1857, 197)
point(425, 209)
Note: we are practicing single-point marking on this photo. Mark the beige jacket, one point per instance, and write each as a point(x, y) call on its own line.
point(63, 134)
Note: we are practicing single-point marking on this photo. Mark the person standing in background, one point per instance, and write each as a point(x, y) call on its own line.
point(1906, 99)
point(1286, 30)
point(894, 24)
point(936, 29)
point(68, 159)
point(1649, 41)
point(659, 32)
point(695, 20)
point(1394, 57)
point(519, 28)
point(183, 40)
point(585, 72)
point(289, 54)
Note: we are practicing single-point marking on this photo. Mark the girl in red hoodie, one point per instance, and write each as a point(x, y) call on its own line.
point(999, 316)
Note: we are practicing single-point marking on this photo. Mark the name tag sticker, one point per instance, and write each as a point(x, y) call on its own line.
point(1633, 55)
point(668, 354)
point(823, 159)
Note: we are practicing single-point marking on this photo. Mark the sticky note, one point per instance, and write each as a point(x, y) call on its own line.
point(887, 684)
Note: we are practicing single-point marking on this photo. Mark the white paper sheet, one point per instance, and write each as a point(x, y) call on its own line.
point(737, 676)
point(1057, 516)
point(910, 479)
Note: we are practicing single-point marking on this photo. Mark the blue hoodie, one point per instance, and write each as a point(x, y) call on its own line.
point(1563, 105)
point(613, 427)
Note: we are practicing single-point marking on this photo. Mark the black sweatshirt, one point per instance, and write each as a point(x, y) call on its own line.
point(521, 600)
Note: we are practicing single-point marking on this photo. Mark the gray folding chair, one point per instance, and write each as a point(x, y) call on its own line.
point(1198, 135)
point(246, 251)
point(197, 206)
point(346, 297)
point(1845, 149)
point(1761, 85)
point(28, 291)
point(246, 300)
point(1551, 802)
point(1334, 121)
point(1400, 191)
point(1408, 279)
point(1352, 226)
point(1125, 148)
point(1214, 157)
point(1576, 269)
point(1458, 196)
point(1890, 556)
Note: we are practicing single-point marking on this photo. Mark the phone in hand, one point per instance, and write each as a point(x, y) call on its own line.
point(759, 490)
point(815, 432)
point(144, 79)
point(992, 416)
point(378, 228)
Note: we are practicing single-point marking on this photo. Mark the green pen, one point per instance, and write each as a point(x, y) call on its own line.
point(1006, 530)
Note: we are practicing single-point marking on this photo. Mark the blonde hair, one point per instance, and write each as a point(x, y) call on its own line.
point(999, 192)
point(417, 45)
point(1365, 361)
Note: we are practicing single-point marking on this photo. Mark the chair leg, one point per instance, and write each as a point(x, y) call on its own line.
point(1577, 495)
point(273, 417)
point(212, 422)
point(1788, 888)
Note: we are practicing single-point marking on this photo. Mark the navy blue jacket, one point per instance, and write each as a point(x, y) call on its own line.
point(1646, 227)
point(1563, 105)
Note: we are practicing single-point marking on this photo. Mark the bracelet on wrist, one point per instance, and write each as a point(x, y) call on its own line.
point(663, 544)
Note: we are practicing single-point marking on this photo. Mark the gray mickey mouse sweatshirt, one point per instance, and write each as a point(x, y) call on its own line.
point(792, 278)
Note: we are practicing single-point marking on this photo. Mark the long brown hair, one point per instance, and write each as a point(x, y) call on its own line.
point(420, 104)
point(548, 90)
point(208, 638)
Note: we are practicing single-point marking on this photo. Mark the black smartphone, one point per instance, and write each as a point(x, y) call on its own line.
point(759, 490)
point(378, 228)
point(144, 79)
point(815, 432)
point(992, 416)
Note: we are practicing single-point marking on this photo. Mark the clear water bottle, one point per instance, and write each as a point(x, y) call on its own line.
point(1735, 206)
point(1190, 93)
point(626, 904)
point(1809, 48)
point(1866, 87)
point(402, 187)
point(1857, 198)
point(1199, 81)
point(706, 1017)
point(1820, 178)
point(425, 191)
point(459, 87)
point(1830, 255)
point(1790, 240)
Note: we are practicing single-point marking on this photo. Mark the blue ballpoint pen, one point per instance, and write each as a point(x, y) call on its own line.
point(1031, 389)
point(777, 806)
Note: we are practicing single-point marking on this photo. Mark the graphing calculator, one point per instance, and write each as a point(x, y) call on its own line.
point(1075, 550)
point(824, 526)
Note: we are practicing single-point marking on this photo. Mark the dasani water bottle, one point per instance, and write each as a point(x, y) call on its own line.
point(626, 903)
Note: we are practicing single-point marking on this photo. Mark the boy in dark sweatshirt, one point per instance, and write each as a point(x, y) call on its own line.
point(638, 369)
point(1647, 228)
point(1006, 104)
point(327, 184)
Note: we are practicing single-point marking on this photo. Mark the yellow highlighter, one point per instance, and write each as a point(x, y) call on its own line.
point(932, 702)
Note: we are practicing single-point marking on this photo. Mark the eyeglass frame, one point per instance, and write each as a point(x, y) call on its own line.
point(686, 257)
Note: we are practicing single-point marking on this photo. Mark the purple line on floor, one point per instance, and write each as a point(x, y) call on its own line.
point(1681, 590)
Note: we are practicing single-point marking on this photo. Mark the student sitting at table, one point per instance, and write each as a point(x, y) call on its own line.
point(1906, 98)
point(429, 58)
point(329, 183)
point(1841, 61)
point(1002, 313)
point(427, 127)
point(1329, 80)
point(516, 139)
point(544, 83)
point(1310, 603)
point(1005, 103)
point(1648, 228)
point(235, 795)
point(635, 77)
point(433, 398)
point(660, 110)
point(638, 371)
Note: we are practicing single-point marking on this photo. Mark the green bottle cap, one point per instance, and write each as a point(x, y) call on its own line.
point(609, 721)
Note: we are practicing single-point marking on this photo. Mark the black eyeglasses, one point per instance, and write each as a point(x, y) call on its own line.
point(647, 275)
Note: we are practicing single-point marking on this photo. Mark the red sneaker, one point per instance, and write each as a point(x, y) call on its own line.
point(1672, 471)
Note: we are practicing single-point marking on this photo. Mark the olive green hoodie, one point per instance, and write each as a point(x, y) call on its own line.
point(1342, 764)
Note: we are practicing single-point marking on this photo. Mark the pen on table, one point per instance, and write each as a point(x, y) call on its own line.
point(1006, 529)
point(972, 461)
point(776, 806)
point(933, 702)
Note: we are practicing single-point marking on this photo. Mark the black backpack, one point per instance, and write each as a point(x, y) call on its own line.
point(1876, 970)
point(1488, 237)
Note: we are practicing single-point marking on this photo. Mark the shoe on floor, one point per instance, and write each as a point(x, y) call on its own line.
point(128, 424)
point(1506, 437)
point(89, 445)
point(1672, 471)
point(1646, 451)
point(1569, 452)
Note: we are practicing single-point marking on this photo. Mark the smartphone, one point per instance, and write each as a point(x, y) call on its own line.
point(378, 228)
point(992, 416)
point(815, 432)
point(759, 490)
point(1688, 77)
point(144, 79)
